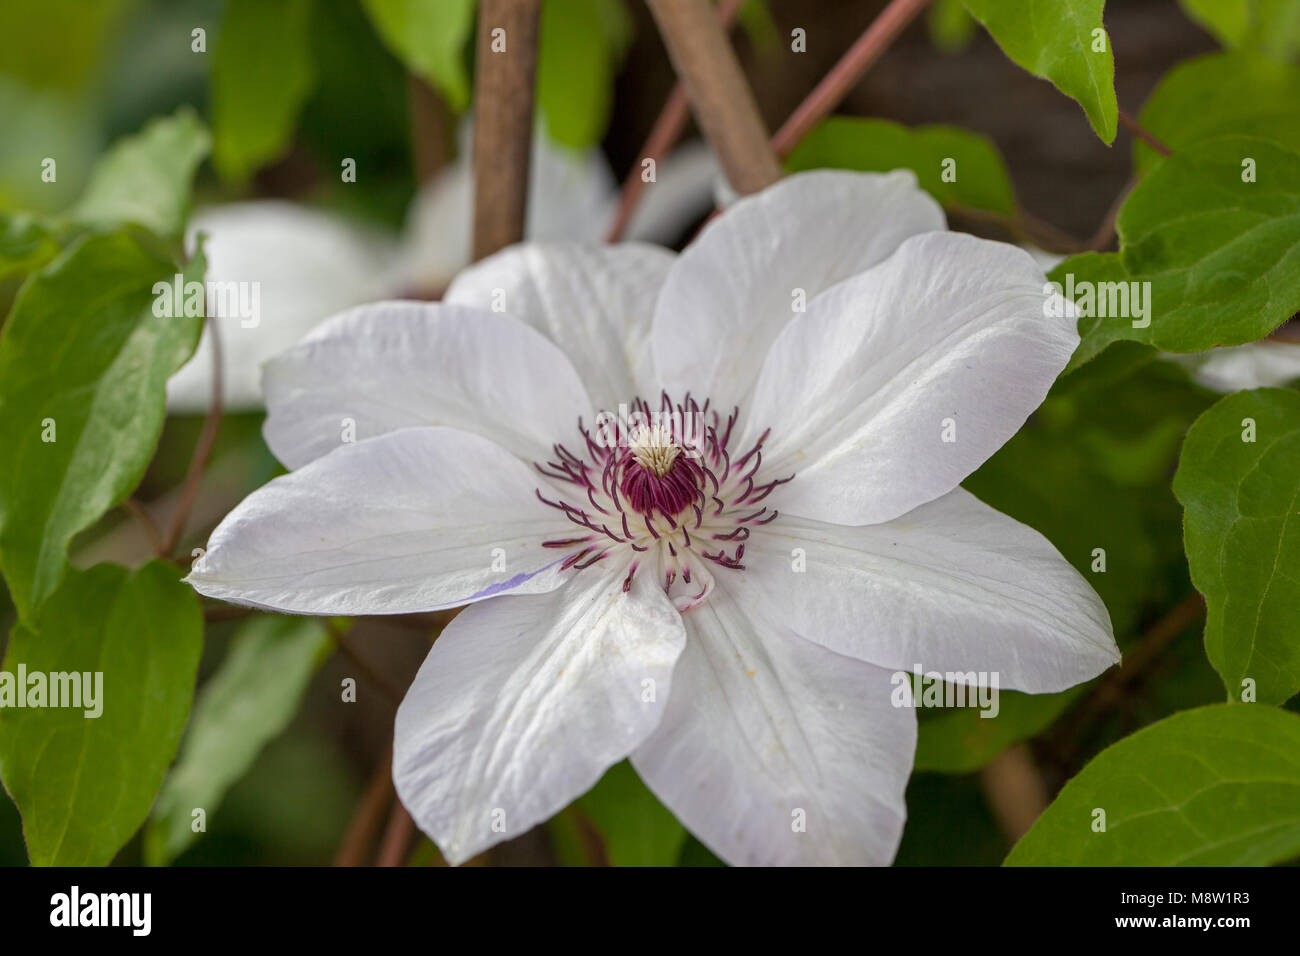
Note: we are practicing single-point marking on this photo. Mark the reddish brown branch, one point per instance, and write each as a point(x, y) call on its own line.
point(1142, 133)
point(396, 845)
point(850, 69)
point(663, 135)
point(369, 813)
point(1119, 682)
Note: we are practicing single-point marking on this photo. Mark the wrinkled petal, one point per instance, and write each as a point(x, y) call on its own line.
point(775, 751)
point(900, 382)
point(524, 702)
point(416, 520)
point(568, 198)
point(953, 586)
point(392, 365)
point(731, 292)
point(302, 265)
point(595, 302)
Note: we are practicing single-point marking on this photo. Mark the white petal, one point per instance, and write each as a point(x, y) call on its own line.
point(568, 198)
point(416, 520)
point(303, 265)
point(525, 701)
point(951, 586)
point(391, 365)
point(765, 730)
point(732, 290)
point(900, 382)
point(595, 302)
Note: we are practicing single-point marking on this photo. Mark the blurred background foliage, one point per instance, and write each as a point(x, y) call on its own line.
point(289, 87)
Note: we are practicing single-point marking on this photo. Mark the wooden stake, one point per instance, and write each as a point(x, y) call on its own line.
point(720, 97)
point(505, 75)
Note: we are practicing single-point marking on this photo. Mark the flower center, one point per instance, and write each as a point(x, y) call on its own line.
point(655, 449)
point(662, 486)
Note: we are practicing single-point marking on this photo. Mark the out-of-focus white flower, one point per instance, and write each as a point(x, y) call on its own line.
point(296, 264)
point(571, 195)
point(1259, 364)
point(723, 578)
point(308, 264)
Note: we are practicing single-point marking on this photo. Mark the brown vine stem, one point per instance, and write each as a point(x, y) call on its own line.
point(721, 99)
point(1142, 133)
point(364, 825)
point(396, 844)
point(202, 451)
point(663, 135)
point(505, 75)
point(850, 69)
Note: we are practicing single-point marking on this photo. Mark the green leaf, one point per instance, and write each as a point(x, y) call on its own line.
point(1059, 40)
point(429, 36)
point(145, 179)
point(261, 75)
point(980, 179)
point(949, 824)
point(85, 784)
point(26, 244)
point(950, 26)
point(580, 44)
point(42, 125)
point(1222, 256)
point(58, 44)
point(1242, 532)
point(83, 366)
point(1216, 786)
point(1270, 26)
point(637, 830)
point(247, 702)
point(1217, 95)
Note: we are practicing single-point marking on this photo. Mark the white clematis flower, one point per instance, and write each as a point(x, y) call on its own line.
point(722, 593)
